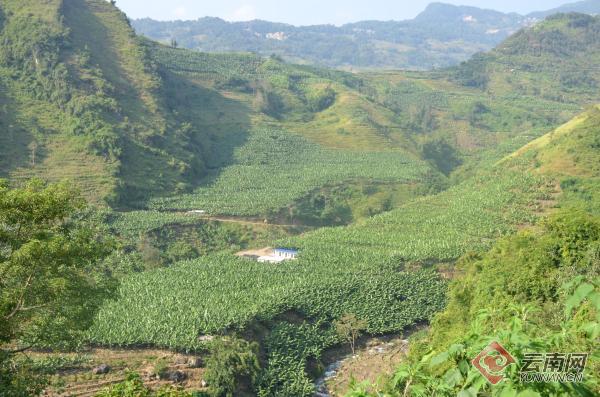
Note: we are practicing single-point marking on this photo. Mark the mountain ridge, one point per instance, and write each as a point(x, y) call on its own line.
point(442, 35)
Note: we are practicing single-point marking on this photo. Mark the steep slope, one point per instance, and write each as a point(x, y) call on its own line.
point(79, 82)
point(570, 150)
point(488, 107)
point(546, 269)
point(131, 121)
point(34, 99)
point(306, 129)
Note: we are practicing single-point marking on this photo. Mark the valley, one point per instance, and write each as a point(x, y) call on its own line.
point(453, 201)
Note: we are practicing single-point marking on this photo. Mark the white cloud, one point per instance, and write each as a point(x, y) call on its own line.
point(245, 12)
point(180, 12)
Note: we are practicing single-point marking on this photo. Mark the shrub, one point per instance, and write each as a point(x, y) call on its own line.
point(232, 365)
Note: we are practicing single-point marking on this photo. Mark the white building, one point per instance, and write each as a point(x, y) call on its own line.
point(279, 255)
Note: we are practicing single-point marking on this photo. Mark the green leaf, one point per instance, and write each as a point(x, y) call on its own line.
point(455, 349)
point(508, 391)
point(453, 377)
point(439, 359)
point(594, 297)
point(592, 330)
point(580, 294)
point(464, 366)
point(583, 290)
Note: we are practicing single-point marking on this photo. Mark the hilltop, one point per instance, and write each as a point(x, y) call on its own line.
point(586, 6)
point(442, 35)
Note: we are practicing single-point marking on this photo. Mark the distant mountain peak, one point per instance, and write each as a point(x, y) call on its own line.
point(442, 35)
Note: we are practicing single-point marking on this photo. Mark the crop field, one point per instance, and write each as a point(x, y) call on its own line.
point(221, 294)
point(220, 67)
point(437, 228)
point(359, 269)
point(274, 168)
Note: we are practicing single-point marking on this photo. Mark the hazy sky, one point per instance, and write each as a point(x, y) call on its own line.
point(307, 12)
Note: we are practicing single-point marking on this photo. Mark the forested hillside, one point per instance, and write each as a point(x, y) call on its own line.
point(82, 100)
point(131, 130)
point(442, 35)
point(402, 193)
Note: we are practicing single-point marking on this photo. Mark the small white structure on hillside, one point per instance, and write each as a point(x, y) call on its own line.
point(279, 255)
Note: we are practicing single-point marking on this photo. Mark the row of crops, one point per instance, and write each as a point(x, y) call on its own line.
point(356, 269)
point(172, 307)
point(227, 64)
point(274, 168)
point(466, 217)
point(221, 294)
point(205, 66)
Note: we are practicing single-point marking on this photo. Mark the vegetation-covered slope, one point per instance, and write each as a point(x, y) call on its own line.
point(148, 121)
point(498, 101)
point(533, 291)
point(442, 35)
point(82, 100)
point(141, 124)
point(440, 228)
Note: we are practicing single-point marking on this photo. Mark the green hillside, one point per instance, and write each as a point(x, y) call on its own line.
point(81, 100)
point(428, 232)
point(442, 35)
point(534, 290)
point(149, 126)
point(493, 104)
point(382, 180)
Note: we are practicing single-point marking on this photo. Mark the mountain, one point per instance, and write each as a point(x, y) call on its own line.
point(442, 35)
point(150, 126)
point(522, 271)
point(586, 7)
point(381, 180)
point(82, 100)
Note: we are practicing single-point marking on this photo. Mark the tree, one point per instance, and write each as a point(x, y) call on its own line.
point(349, 327)
point(33, 150)
point(49, 286)
point(232, 364)
point(442, 155)
point(321, 99)
point(174, 43)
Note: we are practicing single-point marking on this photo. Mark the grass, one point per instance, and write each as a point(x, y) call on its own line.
point(570, 150)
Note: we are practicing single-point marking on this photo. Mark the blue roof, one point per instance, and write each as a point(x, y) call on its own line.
point(286, 250)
